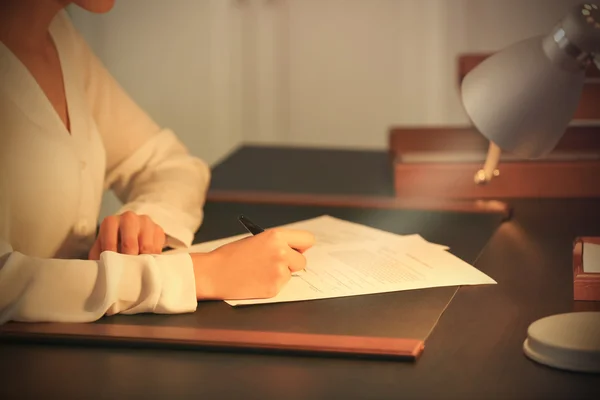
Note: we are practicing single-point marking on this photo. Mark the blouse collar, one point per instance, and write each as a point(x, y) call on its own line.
point(21, 87)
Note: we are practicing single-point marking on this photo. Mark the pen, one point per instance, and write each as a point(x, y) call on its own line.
point(250, 226)
point(253, 228)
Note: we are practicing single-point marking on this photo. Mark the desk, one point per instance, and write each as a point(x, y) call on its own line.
point(306, 170)
point(474, 352)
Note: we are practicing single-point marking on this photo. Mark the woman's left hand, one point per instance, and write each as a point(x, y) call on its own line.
point(128, 233)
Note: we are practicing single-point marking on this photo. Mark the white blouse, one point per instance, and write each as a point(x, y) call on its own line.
point(51, 184)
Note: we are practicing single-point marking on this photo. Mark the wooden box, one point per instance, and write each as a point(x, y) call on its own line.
point(586, 283)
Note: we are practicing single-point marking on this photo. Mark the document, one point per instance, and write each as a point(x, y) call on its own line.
point(328, 231)
point(350, 259)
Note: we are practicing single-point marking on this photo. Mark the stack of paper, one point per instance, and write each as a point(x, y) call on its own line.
point(350, 259)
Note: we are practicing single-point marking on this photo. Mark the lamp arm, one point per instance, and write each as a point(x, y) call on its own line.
point(489, 170)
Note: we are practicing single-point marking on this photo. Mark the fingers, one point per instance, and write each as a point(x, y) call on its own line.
point(109, 234)
point(295, 261)
point(129, 229)
point(296, 239)
point(151, 237)
point(94, 253)
point(129, 234)
point(159, 239)
point(290, 245)
point(282, 278)
point(146, 236)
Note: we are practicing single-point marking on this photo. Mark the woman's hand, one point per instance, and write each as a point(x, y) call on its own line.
point(128, 233)
point(253, 267)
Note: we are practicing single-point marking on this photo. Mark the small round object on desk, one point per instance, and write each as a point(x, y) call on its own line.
point(566, 341)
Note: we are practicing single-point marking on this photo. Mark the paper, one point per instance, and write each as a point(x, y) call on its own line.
point(334, 231)
point(328, 231)
point(401, 264)
point(591, 258)
point(350, 259)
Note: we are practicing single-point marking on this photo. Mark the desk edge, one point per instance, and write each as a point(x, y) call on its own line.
point(305, 199)
point(362, 346)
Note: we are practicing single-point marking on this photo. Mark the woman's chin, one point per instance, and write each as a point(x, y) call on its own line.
point(95, 6)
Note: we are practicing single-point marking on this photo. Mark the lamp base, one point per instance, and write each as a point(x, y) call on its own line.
point(566, 341)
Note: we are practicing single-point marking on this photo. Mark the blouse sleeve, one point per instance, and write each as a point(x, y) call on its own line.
point(52, 290)
point(148, 167)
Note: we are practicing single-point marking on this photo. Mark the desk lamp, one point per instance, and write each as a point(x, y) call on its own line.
point(522, 100)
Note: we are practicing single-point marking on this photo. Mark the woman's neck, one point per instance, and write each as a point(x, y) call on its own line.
point(24, 24)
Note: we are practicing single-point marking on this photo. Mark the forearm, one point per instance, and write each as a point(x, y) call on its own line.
point(166, 183)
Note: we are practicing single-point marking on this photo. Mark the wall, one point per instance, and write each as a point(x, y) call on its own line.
point(180, 60)
point(333, 73)
point(348, 69)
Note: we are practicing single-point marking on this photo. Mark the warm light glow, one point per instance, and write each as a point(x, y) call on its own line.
point(491, 162)
point(529, 248)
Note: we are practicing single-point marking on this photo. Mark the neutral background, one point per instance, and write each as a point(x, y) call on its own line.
point(329, 73)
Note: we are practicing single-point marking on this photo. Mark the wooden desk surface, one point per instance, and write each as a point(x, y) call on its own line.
point(475, 352)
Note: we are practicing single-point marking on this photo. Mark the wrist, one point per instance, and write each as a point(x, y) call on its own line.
point(203, 264)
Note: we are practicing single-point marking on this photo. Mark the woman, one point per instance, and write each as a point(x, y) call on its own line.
point(67, 132)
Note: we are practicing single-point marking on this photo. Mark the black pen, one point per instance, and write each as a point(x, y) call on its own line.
point(253, 228)
point(250, 226)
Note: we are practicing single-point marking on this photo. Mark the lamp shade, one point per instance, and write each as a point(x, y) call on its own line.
point(523, 98)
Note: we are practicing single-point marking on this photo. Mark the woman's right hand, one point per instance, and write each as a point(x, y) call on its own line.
point(254, 267)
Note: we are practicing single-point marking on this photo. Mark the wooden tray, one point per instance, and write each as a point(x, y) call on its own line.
point(516, 180)
point(441, 162)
